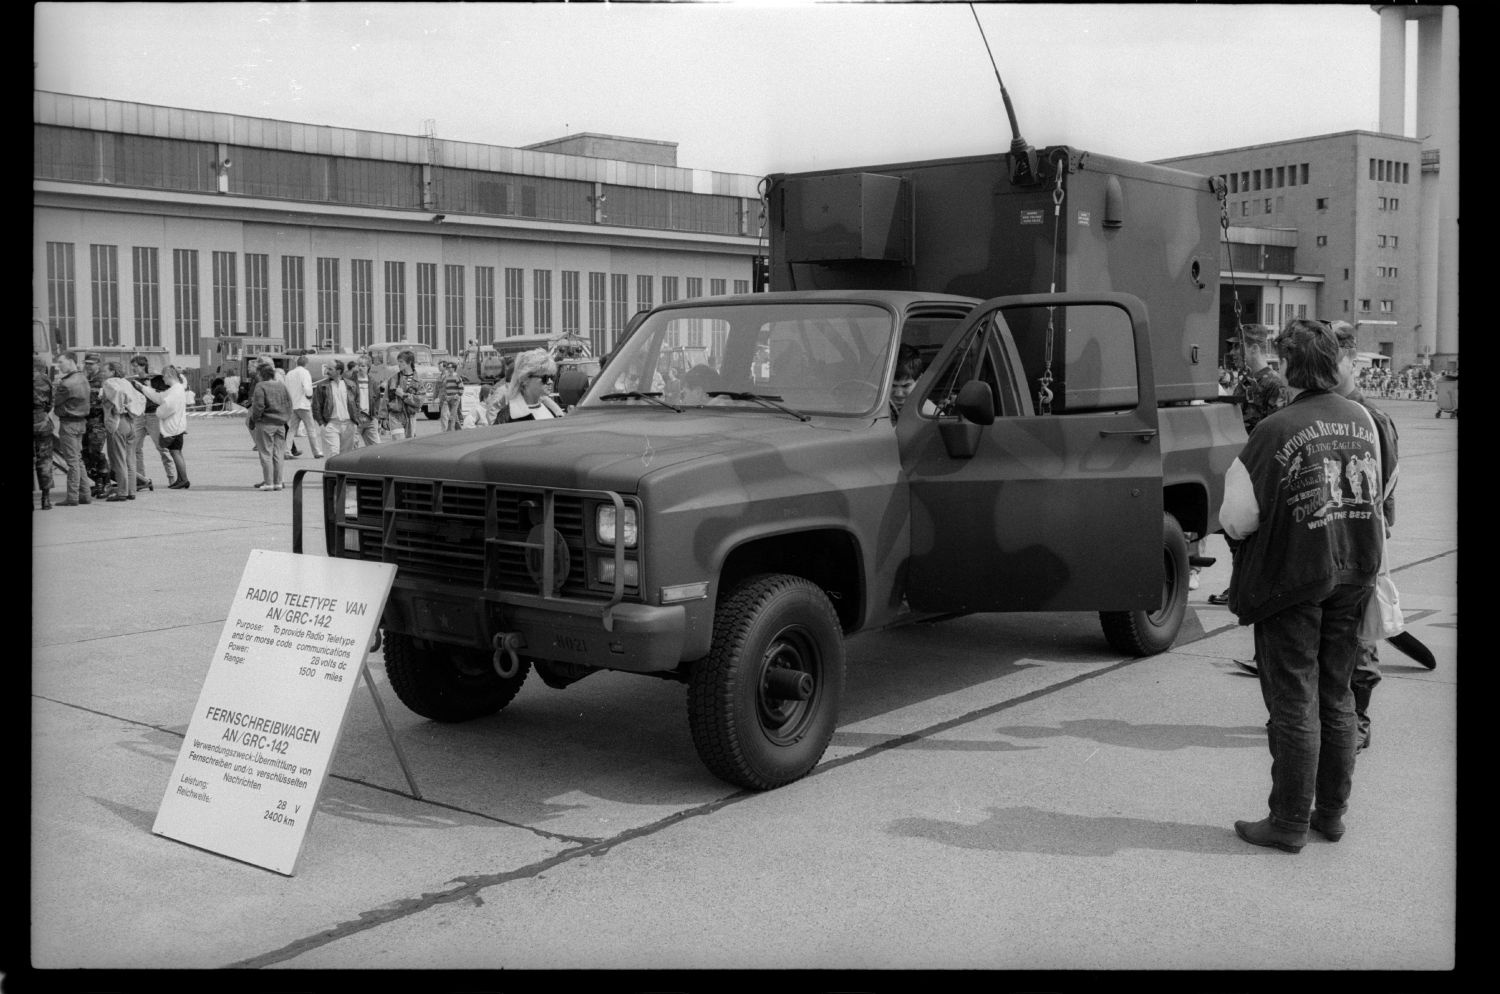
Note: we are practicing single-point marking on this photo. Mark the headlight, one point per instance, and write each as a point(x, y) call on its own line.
point(351, 499)
point(605, 571)
point(604, 525)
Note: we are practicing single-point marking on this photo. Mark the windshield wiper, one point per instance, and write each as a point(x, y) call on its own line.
point(766, 400)
point(655, 398)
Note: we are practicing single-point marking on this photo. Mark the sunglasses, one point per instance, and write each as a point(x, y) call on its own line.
point(544, 377)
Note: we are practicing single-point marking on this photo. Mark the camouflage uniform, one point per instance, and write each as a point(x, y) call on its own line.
point(41, 432)
point(95, 462)
point(1258, 395)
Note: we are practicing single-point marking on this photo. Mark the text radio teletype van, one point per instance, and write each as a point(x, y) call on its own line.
point(1059, 451)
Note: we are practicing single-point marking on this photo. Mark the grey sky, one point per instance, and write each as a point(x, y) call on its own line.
point(748, 87)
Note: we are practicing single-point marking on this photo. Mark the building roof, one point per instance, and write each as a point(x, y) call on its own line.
point(153, 120)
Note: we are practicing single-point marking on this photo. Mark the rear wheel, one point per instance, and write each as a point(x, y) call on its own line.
point(1146, 633)
point(446, 683)
point(764, 702)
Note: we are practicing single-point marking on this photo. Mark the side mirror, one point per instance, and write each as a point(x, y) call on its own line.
point(976, 402)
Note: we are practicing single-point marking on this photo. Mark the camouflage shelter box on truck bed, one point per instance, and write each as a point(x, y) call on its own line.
point(966, 226)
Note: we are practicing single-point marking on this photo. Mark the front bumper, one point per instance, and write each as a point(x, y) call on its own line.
point(641, 638)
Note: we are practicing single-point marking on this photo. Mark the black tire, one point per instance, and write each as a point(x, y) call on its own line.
point(447, 683)
point(1146, 633)
point(744, 733)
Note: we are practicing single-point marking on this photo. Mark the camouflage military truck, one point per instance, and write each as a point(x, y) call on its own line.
point(729, 528)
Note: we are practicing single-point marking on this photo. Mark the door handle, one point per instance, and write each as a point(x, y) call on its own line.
point(1144, 434)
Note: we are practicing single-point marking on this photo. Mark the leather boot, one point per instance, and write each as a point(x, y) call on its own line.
point(46, 501)
point(1331, 827)
point(1263, 833)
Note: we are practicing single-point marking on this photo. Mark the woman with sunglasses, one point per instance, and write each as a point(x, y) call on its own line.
point(528, 390)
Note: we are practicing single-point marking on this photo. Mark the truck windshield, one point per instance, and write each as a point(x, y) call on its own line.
point(817, 358)
point(423, 354)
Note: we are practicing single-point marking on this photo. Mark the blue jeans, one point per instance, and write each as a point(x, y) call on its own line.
point(270, 442)
point(1307, 654)
point(452, 414)
point(121, 442)
point(150, 424)
point(70, 445)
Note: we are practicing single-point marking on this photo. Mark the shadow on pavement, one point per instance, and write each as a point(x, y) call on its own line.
point(1028, 829)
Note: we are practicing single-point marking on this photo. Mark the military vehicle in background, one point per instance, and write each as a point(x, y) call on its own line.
point(383, 365)
point(485, 363)
point(157, 357)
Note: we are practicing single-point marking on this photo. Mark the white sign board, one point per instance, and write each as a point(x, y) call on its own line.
point(262, 737)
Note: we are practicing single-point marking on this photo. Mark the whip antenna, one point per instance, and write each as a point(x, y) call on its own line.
point(1023, 167)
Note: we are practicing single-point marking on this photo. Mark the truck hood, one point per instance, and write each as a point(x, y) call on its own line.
point(605, 449)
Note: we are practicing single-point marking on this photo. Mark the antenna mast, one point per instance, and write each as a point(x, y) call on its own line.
point(1023, 167)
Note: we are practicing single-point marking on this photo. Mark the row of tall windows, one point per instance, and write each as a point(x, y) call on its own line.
point(608, 300)
point(1389, 171)
point(1386, 306)
point(1268, 178)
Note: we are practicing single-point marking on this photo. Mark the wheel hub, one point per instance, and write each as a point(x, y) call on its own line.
point(788, 682)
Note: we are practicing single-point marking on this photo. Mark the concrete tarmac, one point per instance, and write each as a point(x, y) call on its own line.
point(1003, 792)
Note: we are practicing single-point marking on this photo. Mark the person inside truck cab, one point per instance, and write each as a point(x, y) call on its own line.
point(908, 367)
point(696, 384)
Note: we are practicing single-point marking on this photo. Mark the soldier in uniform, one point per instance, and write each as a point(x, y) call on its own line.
point(95, 435)
point(1260, 390)
point(41, 426)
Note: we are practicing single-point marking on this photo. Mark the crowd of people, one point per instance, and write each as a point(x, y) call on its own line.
point(96, 419)
point(1412, 383)
point(91, 423)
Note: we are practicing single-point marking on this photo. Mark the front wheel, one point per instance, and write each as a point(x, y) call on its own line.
point(446, 683)
point(1146, 633)
point(764, 702)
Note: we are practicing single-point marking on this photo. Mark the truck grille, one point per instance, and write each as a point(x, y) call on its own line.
point(466, 533)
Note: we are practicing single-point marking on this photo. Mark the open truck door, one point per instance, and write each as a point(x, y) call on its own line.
point(1014, 510)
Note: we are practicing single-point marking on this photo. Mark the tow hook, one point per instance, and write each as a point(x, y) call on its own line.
point(507, 662)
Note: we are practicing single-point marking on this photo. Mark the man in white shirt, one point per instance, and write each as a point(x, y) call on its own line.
point(299, 386)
